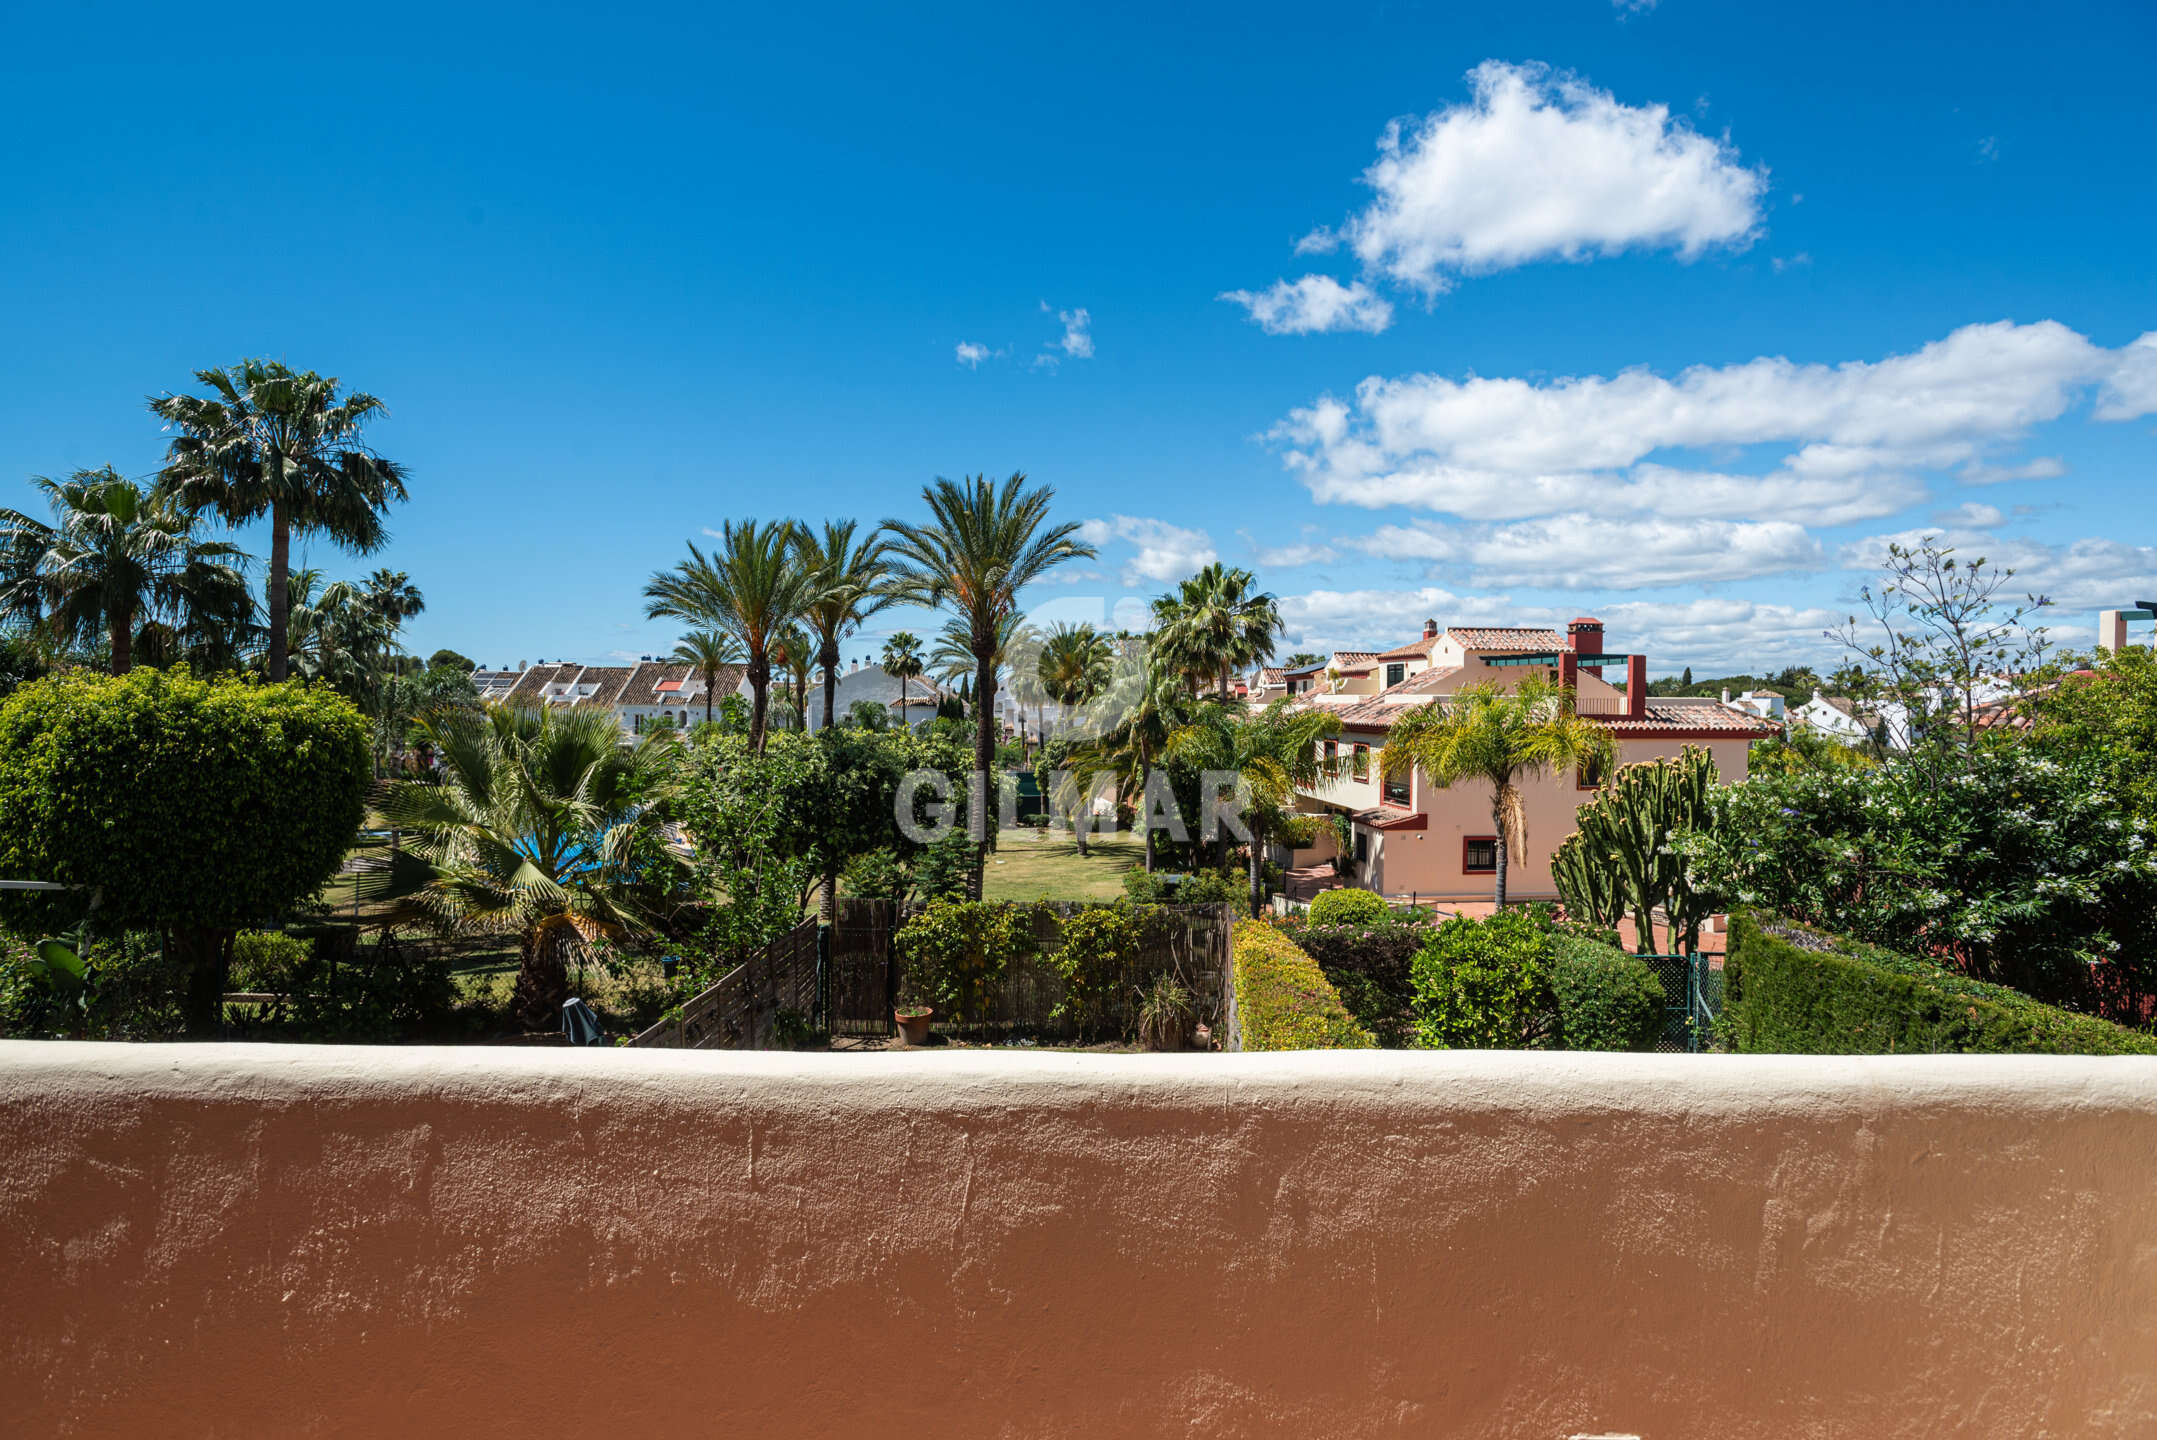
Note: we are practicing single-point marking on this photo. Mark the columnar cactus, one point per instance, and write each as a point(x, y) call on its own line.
point(1621, 857)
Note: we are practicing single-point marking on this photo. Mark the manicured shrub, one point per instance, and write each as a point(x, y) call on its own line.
point(267, 960)
point(1369, 966)
point(1793, 990)
point(190, 806)
point(1607, 999)
point(1350, 906)
point(1485, 984)
point(1283, 1000)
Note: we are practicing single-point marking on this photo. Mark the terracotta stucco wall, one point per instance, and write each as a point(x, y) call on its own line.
point(280, 1241)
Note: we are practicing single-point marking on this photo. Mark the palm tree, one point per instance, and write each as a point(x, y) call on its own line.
point(1215, 625)
point(273, 441)
point(394, 597)
point(115, 560)
point(849, 589)
point(750, 588)
point(1502, 737)
point(902, 661)
point(795, 655)
point(1135, 714)
point(1274, 750)
point(985, 542)
point(543, 822)
point(1074, 664)
point(706, 653)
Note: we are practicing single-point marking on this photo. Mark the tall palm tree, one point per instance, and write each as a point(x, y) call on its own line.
point(1500, 737)
point(271, 440)
point(1274, 750)
point(394, 597)
point(849, 589)
point(115, 559)
point(751, 587)
point(1074, 664)
point(706, 653)
point(902, 661)
point(1143, 704)
point(795, 655)
point(543, 823)
point(1216, 623)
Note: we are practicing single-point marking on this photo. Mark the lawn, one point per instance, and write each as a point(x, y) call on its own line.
point(1035, 865)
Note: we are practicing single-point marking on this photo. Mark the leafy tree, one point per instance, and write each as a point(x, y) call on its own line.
point(451, 659)
point(849, 589)
point(752, 587)
point(271, 440)
point(117, 561)
point(2018, 868)
point(984, 543)
point(543, 824)
point(1215, 624)
point(902, 662)
point(1274, 752)
point(706, 653)
point(1485, 984)
point(2109, 720)
point(1133, 718)
point(189, 807)
point(956, 951)
point(1481, 733)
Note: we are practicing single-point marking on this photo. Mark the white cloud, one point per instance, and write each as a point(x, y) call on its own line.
point(1500, 448)
point(1632, 7)
point(1164, 553)
point(1314, 304)
point(2081, 575)
point(1363, 619)
point(1541, 165)
point(1303, 552)
point(2044, 467)
point(1970, 516)
point(1575, 552)
point(1791, 262)
point(971, 355)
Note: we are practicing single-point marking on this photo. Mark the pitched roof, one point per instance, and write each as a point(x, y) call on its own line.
point(1506, 637)
point(1378, 710)
point(1418, 648)
point(1686, 713)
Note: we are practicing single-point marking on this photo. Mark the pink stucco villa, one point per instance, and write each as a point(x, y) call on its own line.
point(1412, 837)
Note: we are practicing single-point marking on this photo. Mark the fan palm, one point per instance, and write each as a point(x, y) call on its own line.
point(849, 589)
point(271, 440)
point(1214, 624)
point(706, 653)
point(116, 559)
point(984, 543)
point(1275, 752)
point(902, 662)
point(751, 587)
point(543, 823)
point(1500, 737)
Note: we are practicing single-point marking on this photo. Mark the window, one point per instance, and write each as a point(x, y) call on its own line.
point(1396, 790)
point(1395, 673)
point(1331, 753)
point(1479, 854)
point(1362, 762)
point(1363, 846)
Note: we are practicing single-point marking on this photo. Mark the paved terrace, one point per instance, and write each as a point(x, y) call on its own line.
point(241, 1240)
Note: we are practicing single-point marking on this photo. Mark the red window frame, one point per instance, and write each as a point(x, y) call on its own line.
point(1468, 840)
point(1360, 762)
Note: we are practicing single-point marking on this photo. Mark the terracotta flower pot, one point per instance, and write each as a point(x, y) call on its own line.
point(913, 1024)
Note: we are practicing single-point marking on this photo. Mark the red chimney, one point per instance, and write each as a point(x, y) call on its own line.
point(1636, 687)
point(1430, 629)
point(1584, 636)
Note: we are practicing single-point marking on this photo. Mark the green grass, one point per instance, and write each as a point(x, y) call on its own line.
point(1027, 865)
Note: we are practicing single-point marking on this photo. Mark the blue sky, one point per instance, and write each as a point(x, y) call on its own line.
point(623, 276)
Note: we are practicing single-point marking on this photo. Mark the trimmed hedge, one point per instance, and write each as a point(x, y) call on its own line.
point(1350, 906)
point(1369, 965)
point(1795, 991)
point(1283, 1000)
point(1607, 999)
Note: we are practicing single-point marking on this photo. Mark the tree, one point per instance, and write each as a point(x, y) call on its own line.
point(1074, 665)
point(1215, 624)
point(1302, 658)
point(706, 653)
point(984, 543)
point(1499, 737)
point(115, 561)
point(452, 659)
point(192, 807)
point(2108, 719)
point(1142, 706)
point(751, 588)
point(795, 656)
point(849, 589)
point(1947, 641)
point(1274, 751)
point(902, 661)
point(543, 823)
point(1685, 680)
point(271, 440)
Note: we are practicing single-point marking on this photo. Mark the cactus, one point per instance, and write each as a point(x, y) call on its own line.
point(1621, 857)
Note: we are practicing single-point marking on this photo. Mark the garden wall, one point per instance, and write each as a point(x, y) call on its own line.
point(266, 1240)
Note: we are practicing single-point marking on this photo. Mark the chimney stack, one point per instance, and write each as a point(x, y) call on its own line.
point(1584, 636)
point(1636, 687)
point(1430, 629)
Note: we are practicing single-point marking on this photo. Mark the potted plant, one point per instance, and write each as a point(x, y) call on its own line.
point(913, 1021)
point(1166, 1015)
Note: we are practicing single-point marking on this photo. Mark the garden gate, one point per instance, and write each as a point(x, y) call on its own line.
point(1692, 999)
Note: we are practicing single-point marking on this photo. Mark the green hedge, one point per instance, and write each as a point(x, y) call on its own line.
point(1607, 999)
point(1350, 906)
point(1795, 991)
point(1283, 1000)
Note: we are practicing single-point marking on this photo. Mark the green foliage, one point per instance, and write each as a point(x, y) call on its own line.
point(1095, 953)
point(130, 990)
point(954, 951)
point(1350, 906)
point(2019, 868)
point(450, 659)
point(946, 867)
point(1283, 1000)
point(1622, 855)
point(388, 992)
point(2107, 721)
point(267, 960)
point(1793, 990)
point(868, 715)
point(1167, 1015)
point(878, 875)
point(1485, 984)
point(1368, 964)
point(1607, 999)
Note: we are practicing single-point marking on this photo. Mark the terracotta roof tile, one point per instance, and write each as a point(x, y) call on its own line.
point(1517, 638)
